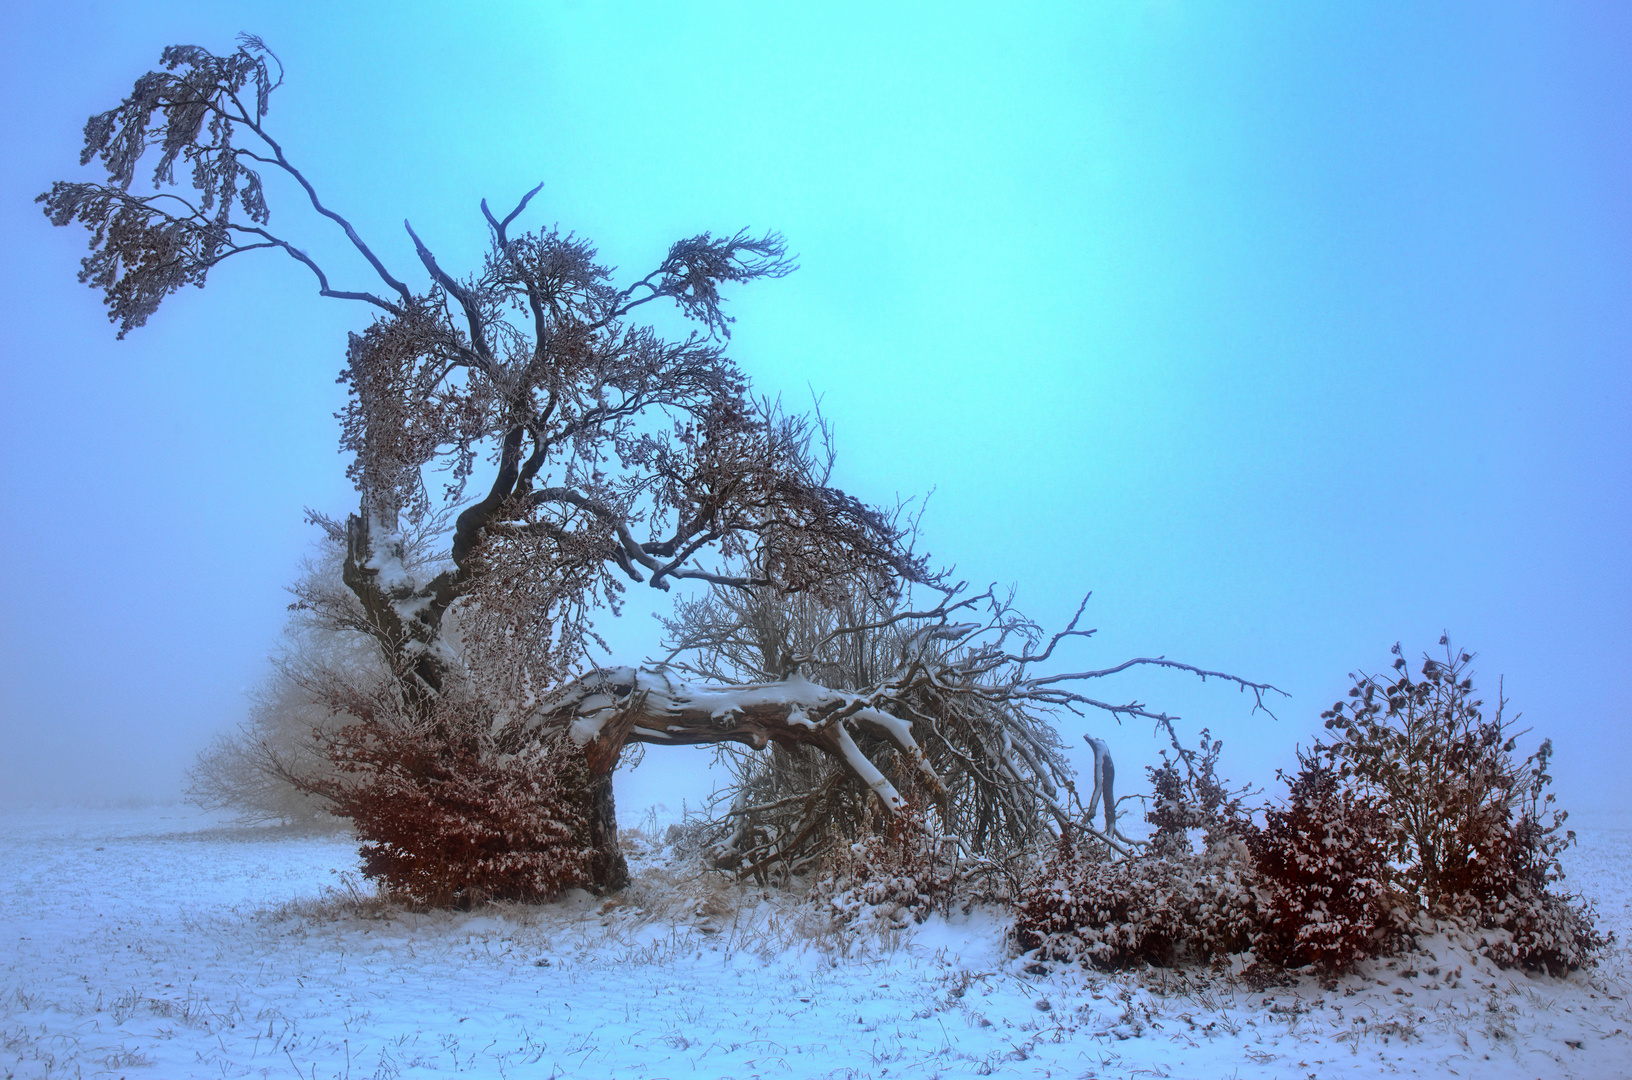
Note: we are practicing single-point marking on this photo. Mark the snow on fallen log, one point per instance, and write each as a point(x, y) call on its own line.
point(609, 708)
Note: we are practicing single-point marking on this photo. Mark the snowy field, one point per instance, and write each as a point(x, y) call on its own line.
point(154, 943)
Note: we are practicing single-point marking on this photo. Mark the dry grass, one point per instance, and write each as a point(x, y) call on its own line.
point(673, 906)
point(352, 898)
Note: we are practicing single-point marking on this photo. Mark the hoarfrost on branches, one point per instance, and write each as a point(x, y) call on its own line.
point(612, 455)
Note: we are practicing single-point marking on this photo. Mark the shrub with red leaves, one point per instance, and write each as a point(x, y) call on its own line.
point(1159, 909)
point(1503, 887)
point(1522, 922)
point(1420, 811)
point(900, 870)
point(446, 822)
point(1479, 838)
point(1323, 869)
point(1167, 904)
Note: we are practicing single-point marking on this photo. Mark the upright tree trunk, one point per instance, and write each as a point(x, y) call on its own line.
point(609, 871)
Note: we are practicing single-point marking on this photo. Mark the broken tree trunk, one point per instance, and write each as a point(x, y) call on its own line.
point(604, 711)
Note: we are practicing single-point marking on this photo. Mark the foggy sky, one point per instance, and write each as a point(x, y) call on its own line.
point(1291, 333)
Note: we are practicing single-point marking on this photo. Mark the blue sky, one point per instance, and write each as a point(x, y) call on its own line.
point(1290, 332)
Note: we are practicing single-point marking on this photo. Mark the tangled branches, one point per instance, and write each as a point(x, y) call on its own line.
point(614, 455)
point(984, 755)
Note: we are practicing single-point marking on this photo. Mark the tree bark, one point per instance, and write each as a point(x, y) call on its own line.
point(609, 869)
point(609, 708)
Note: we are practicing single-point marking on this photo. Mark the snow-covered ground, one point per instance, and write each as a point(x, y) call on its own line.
point(155, 943)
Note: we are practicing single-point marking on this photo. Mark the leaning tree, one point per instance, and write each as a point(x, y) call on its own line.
point(604, 454)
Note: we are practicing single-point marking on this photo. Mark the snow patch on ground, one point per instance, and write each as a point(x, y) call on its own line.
point(161, 943)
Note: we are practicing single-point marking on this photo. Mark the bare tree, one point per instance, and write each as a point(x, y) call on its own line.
point(613, 455)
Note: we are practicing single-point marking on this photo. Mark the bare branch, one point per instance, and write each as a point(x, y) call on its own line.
point(467, 302)
point(317, 204)
point(499, 227)
point(1258, 689)
point(322, 279)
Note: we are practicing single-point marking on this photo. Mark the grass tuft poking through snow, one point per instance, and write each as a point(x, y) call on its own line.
point(156, 943)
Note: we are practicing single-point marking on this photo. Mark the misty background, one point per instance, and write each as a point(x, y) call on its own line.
point(1290, 332)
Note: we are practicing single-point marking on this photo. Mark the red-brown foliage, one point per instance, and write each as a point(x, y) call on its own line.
point(900, 867)
point(1155, 908)
point(1323, 867)
point(1479, 839)
point(445, 824)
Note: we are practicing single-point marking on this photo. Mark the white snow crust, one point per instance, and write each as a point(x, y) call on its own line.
point(158, 943)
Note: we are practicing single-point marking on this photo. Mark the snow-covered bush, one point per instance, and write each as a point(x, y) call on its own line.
point(1441, 769)
point(898, 870)
point(1418, 812)
point(1323, 875)
point(1478, 838)
point(1541, 930)
point(1165, 904)
point(1187, 794)
point(1504, 891)
point(448, 822)
point(1160, 909)
point(447, 813)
